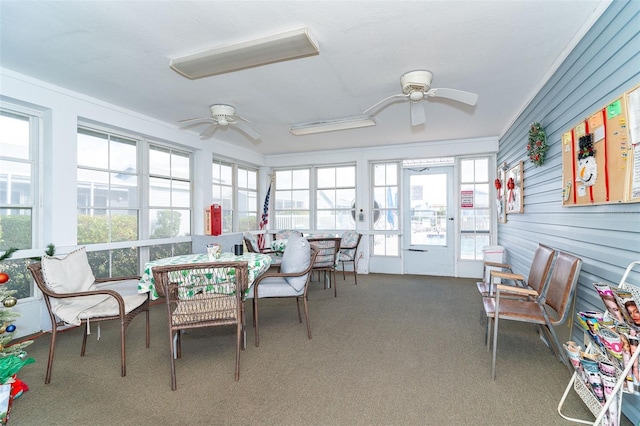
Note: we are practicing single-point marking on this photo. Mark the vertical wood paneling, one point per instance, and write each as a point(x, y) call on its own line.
point(604, 64)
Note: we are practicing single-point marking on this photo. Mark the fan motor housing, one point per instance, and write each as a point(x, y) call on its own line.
point(419, 80)
point(222, 110)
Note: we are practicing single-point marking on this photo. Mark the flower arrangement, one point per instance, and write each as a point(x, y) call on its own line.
point(537, 144)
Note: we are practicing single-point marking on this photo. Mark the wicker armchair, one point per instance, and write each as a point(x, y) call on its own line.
point(74, 296)
point(291, 281)
point(202, 295)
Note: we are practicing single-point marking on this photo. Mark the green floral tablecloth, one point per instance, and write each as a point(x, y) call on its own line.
point(258, 264)
point(279, 245)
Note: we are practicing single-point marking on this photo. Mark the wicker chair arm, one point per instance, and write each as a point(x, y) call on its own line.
point(314, 253)
point(111, 293)
point(128, 277)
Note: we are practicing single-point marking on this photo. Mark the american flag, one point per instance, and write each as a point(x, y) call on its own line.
point(264, 219)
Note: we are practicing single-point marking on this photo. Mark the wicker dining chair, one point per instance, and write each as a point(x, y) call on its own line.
point(348, 251)
point(325, 264)
point(73, 296)
point(202, 295)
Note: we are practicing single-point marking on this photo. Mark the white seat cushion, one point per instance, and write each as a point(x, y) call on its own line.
point(275, 287)
point(296, 258)
point(72, 273)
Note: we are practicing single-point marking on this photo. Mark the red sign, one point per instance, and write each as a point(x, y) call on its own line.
point(466, 199)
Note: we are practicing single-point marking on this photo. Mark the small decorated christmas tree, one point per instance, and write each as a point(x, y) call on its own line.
point(7, 316)
point(12, 356)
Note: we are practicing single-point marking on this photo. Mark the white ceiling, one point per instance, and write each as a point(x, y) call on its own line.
point(119, 52)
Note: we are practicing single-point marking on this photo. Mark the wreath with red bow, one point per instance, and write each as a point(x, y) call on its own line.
point(537, 144)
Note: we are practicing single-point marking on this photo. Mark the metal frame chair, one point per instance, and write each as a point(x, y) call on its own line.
point(538, 272)
point(548, 309)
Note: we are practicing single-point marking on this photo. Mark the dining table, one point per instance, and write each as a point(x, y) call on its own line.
point(258, 263)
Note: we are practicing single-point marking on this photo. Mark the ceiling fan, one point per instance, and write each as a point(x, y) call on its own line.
point(222, 115)
point(416, 86)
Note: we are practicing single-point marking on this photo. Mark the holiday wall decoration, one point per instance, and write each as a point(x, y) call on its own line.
point(601, 155)
point(515, 189)
point(537, 144)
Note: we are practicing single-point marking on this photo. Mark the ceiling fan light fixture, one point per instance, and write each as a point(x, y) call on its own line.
point(279, 47)
point(332, 125)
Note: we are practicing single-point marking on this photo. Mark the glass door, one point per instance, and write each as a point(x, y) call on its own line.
point(428, 212)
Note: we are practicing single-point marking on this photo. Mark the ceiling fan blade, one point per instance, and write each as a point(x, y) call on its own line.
point(237, 117)
point(208, 132)
point(247, 130)
point(418, 116)
point(189, 120)
point(400, 95)
point(194, 124)
point(457, 95)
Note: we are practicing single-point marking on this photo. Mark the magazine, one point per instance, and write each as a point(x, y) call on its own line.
point(628, 307)
point(609, 299)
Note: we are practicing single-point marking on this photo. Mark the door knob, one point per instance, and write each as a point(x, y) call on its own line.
point(450, 218)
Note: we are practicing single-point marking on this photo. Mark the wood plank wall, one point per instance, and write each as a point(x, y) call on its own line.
point(603, 65)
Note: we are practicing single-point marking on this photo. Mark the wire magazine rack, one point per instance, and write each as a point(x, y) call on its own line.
point(614, 403)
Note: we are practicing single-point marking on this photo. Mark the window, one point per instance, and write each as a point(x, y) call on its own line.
point(335, 198)
point(247, 190)
point(222, 191)
point(169, 193)
point(108, 199)
point(18, 160)
point(292, 206)
point(238, 197)
point(384, 211)
point(475, 215)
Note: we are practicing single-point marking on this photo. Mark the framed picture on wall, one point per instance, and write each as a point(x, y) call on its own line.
point(501, 205)
point(514, 189)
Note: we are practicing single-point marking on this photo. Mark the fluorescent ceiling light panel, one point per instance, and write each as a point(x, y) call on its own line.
point(331, 125)
point(253, 53)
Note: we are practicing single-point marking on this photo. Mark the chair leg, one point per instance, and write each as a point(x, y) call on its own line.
point(355, 273)
point(238, 345)
point(306, 315)
point(343, 274)
point(298, 306)
point(123, 352)
point(495, 346)
point(244, 327)
point(255, 319)
point(487, 337)
point(52, 348)
point(332, 276)
point(84, 339)
point(172, 351)
point(148, 332)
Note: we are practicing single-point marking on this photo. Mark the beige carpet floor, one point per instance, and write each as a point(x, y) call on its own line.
point(393, 350)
